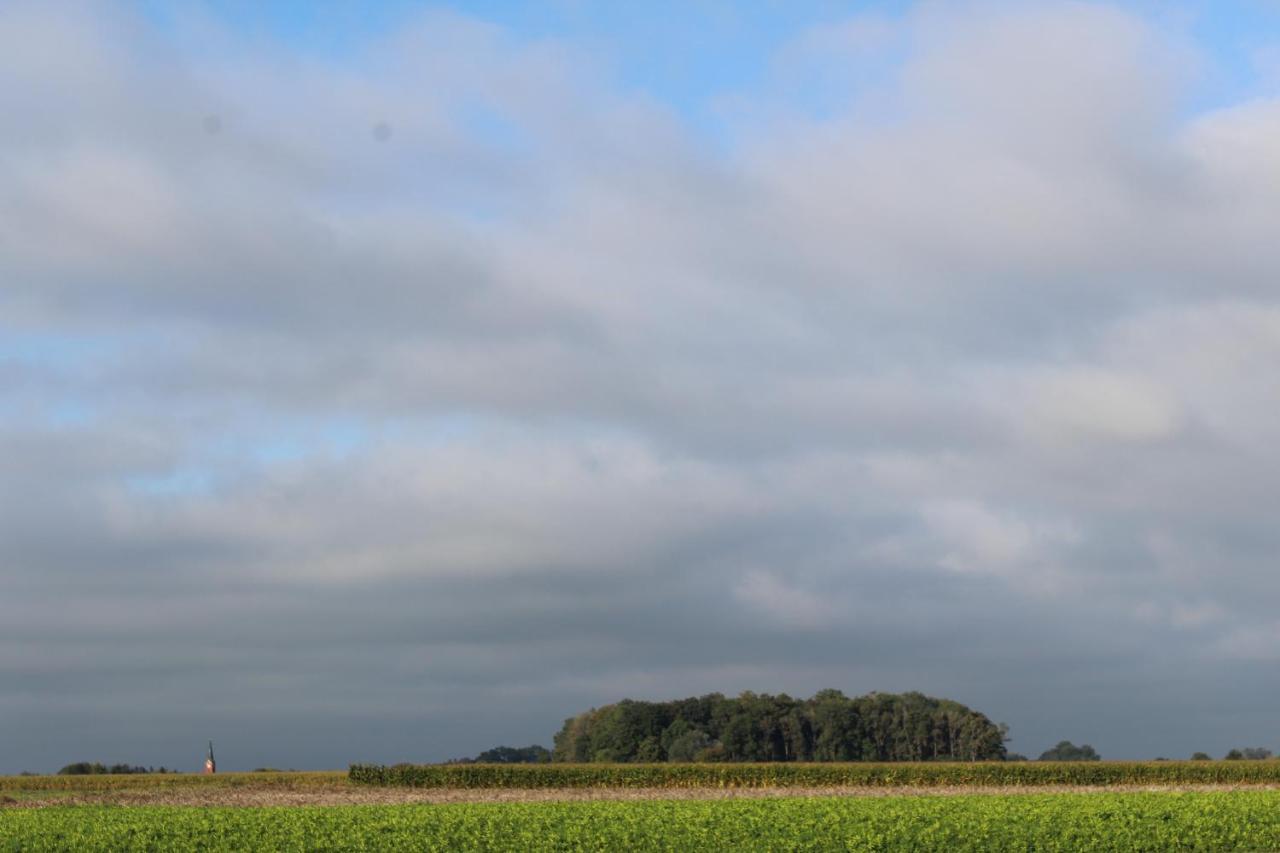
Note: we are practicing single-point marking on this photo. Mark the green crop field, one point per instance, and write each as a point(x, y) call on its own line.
point(162, 781)
point(1248, 820)
point(794, 774)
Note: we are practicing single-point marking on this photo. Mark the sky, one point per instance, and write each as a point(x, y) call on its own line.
point(389, 382)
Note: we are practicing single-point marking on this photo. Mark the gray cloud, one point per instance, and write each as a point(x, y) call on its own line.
point(341, 448)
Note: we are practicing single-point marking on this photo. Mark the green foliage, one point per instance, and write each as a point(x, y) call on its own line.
point(760, 727)
point(509, 755)
point(1068, 751)
point(85, 768)
point(1201, 756)
point(684, 743)
point(797, 774)
point(82, 768)
point(1249, 753)
point(1058, 822)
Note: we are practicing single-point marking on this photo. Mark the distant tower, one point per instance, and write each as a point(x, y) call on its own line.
point(210, 766)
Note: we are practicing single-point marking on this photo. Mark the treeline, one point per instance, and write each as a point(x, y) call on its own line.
point(759, 727)
point(1249, 753)
point(85, 768)
point(795, 774)
point(1068, 751)
point(508, 755)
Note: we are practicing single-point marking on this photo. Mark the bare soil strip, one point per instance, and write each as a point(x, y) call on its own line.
point(358, 795)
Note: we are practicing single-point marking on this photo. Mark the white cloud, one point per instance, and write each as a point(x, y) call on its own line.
point(1092, 403)
point(783, 603)
point(974, 539)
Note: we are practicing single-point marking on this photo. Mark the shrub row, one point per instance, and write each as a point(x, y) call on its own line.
point(107, 782)
point(996, 774)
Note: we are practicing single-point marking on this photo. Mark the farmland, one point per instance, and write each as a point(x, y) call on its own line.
point(797, 774)
point(176, 781)
point(1104, 821)
point(1040, 805)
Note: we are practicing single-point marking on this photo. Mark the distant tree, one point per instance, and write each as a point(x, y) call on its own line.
point(82, 768)
point(1161, 758)
point(85, 768)
point(1251, 753)
point(1067, 751)
point(1015, 756)
point(512, 755)
point(1201, 756)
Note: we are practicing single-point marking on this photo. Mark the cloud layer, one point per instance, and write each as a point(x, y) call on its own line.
point(393, 408)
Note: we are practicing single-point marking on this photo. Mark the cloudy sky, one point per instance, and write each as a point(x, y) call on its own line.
point(391, 385)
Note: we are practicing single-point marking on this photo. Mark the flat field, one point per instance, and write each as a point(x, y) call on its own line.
point(751, 807)
point(1242, 820)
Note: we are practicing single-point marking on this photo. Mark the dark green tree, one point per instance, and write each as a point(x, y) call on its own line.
point(761, 727)
point(511, 755)
point(1067, 751)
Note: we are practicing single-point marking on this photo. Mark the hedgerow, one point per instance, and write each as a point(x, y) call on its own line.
point(925, 775)
point(280, 779)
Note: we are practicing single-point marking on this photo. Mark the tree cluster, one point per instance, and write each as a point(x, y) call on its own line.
point(508, 755)
point(759, 727)
point(1068, 751)
point(1250, 753)
point(85, 768)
